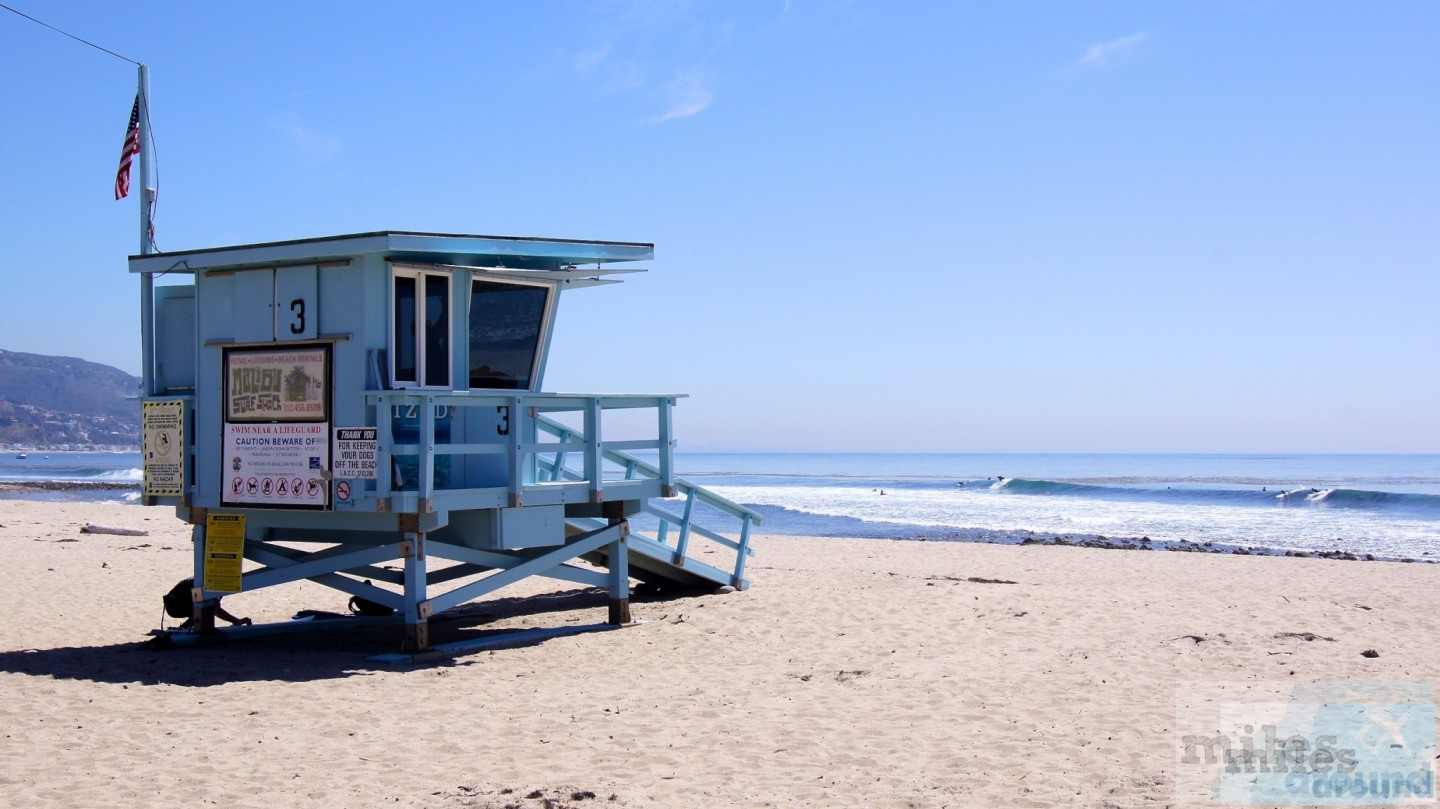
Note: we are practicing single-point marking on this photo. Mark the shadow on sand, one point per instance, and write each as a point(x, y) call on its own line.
point(303, 657)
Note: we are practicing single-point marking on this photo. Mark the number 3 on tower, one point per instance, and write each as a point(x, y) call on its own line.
point(297, 310)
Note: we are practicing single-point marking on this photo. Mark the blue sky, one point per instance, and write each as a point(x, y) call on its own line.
point(951, 227)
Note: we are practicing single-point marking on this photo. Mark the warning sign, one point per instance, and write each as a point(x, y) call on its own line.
point(355, 449)
point(164, 460)
point(224, 551)
point(282, 465)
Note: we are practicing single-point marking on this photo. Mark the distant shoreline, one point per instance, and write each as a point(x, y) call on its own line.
point(44, 450)
point(67, 486)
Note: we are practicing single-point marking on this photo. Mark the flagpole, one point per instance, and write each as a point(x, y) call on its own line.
point(146, 192)
point(147, 282)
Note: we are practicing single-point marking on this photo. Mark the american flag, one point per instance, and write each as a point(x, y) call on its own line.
point(129, 150)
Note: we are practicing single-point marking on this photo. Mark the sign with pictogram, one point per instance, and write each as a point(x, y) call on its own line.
point(164, 459)
point(355, 453)
point(276, 464)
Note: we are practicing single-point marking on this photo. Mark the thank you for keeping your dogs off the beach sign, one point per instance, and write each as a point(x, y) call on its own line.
point(356, 449)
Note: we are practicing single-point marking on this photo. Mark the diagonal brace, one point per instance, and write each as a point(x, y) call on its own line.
point(581, 545)
point(280, 556)
point(279, 574)
point(489, 560)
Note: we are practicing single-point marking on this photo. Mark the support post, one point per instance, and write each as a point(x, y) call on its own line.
point(619, 558)
point(667, 446)
point(386, 470)
point(594, 458)
point(558, 471)
point(682, 545)
point(197, 538)
point(741, 552)
point(415, 607)
point(425, 487)
point(517, 427)
point(202, 613)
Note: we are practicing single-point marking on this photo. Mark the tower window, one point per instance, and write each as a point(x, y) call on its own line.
point(507, 322)
point(420, 341)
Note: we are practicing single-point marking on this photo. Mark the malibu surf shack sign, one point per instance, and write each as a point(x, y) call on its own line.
point(277, 427)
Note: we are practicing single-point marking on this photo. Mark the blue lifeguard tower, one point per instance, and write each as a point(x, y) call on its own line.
point(365, 412)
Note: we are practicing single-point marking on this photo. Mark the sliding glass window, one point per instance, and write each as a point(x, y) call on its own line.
point(420, 337)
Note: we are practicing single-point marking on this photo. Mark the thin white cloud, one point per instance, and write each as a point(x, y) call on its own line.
point(686, 95)
point(601, 69)
point(622, 77)
point(587, 60)
point(641, 42)
point(1102, 53)
point(311, 146)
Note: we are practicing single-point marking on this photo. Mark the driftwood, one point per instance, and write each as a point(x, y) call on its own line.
point(96, 528)
point(1305, 636)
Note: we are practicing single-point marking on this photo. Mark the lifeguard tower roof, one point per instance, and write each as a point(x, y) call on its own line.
point(378, 397)
point(521, 252)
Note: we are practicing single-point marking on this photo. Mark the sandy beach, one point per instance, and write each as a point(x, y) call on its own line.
point(852, 673)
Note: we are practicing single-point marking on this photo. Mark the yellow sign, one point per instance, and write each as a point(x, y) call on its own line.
point(164, 461)
point(224, 552)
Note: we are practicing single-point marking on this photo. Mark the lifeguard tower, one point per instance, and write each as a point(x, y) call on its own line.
point(365, 412)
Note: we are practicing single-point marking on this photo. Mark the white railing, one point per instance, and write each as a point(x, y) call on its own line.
point(684, 522)
point(517, 443)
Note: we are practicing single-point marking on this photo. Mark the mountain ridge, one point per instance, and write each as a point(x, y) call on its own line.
point(66, 403)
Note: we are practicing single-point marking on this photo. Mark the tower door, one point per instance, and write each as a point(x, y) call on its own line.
point(276, 304)
point(297, 311)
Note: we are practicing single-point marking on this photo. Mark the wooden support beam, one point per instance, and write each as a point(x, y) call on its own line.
point(478, 561)
point(415, 607)
point(619, 561)
point(578, 546)
point(318, 564)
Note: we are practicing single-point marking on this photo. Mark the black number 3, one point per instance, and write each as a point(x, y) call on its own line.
point(297, 307)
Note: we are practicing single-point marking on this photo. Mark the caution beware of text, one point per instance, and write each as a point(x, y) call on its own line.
point(224, 552)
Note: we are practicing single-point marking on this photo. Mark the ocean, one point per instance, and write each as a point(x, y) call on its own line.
point(1383, 505)
point(115, 476)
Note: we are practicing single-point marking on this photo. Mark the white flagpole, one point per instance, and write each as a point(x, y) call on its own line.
point(147, 282)
point(146, 192)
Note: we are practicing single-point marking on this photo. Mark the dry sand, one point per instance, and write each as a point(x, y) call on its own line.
point(853, 673)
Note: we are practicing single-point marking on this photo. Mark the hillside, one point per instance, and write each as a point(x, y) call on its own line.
point(66, 403)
